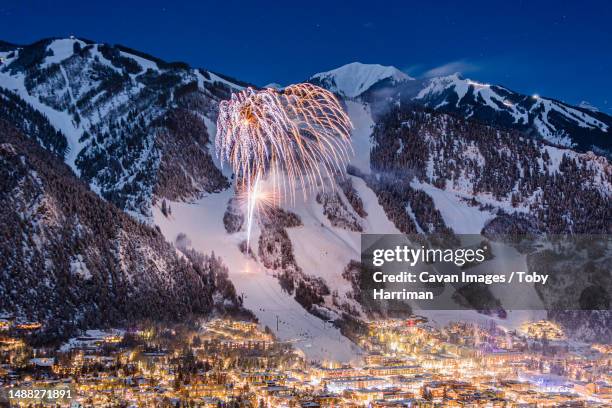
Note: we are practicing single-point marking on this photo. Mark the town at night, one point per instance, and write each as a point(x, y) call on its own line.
point(228, 363)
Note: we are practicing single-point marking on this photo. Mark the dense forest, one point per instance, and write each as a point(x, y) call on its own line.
point(69, 259)
point(549, 189)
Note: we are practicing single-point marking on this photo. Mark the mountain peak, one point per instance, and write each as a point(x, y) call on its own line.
point(352, 80)
point(61, 48)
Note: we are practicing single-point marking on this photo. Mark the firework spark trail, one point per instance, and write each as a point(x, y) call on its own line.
point(300, 136)
point(301, 132)
point(252, 198)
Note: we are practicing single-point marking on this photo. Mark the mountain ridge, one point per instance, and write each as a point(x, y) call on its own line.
point(353, 79)
point(109, 107)
point(547, 118)
point(138, 132)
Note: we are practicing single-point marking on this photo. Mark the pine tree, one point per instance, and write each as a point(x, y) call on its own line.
point(164, 208)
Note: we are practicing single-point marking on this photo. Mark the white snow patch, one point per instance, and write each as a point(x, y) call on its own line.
point(96, 54)
point(513, 320)
point(457, 214)
point(362, 122)
point(145, 64)
point(589, 106)
point(61, 120)
point(91, 338)
point(376, 222)
point(216, 78)
point(202, 221)
point(351, 80)
point(78, 267)
point(62, 49)
point(43, 361)
point(558, 136)
point(483, 92)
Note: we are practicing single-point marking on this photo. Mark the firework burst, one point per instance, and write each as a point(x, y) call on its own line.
point(299, 136)
point(294, 138)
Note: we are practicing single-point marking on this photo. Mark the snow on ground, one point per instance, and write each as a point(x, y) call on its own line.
point(510, 295)
point(457, 214)
point(216, 78)
point(313, 242)
point(323, 250)
point(43, 361)
point(362, 121)
point(353, 79)
point(484, 93)
point(508, 259)
point(145, 64)
point(582, 119)
point(90, 338)
point(376, 221)
point(556, 155)
point(61, 120)
point(78, 267)
point(465, 219)
point(211, 128)
point(61, 49)
point(320, 250)
point(514, 319)
point(97, 54)
point(588, 106)
point(202, 221)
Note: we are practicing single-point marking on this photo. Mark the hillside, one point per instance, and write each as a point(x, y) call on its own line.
point(131, 125)
point(438, 155)
point(581, 128)
point(69, 260)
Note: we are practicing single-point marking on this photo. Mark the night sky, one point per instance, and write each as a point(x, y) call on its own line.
point(561, 49)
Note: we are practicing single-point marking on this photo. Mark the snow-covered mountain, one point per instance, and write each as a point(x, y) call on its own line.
point(453, 155)
point(550, 119)
point(582, 128)
point(70, 260)
point(354, 79)
point(138, 131)
point(133, 126)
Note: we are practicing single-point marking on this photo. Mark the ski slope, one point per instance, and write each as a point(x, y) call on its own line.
point(202, 221)
point(320, 249)
point(61, 120)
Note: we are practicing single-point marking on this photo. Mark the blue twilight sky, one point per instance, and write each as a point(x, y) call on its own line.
point(559, 48)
